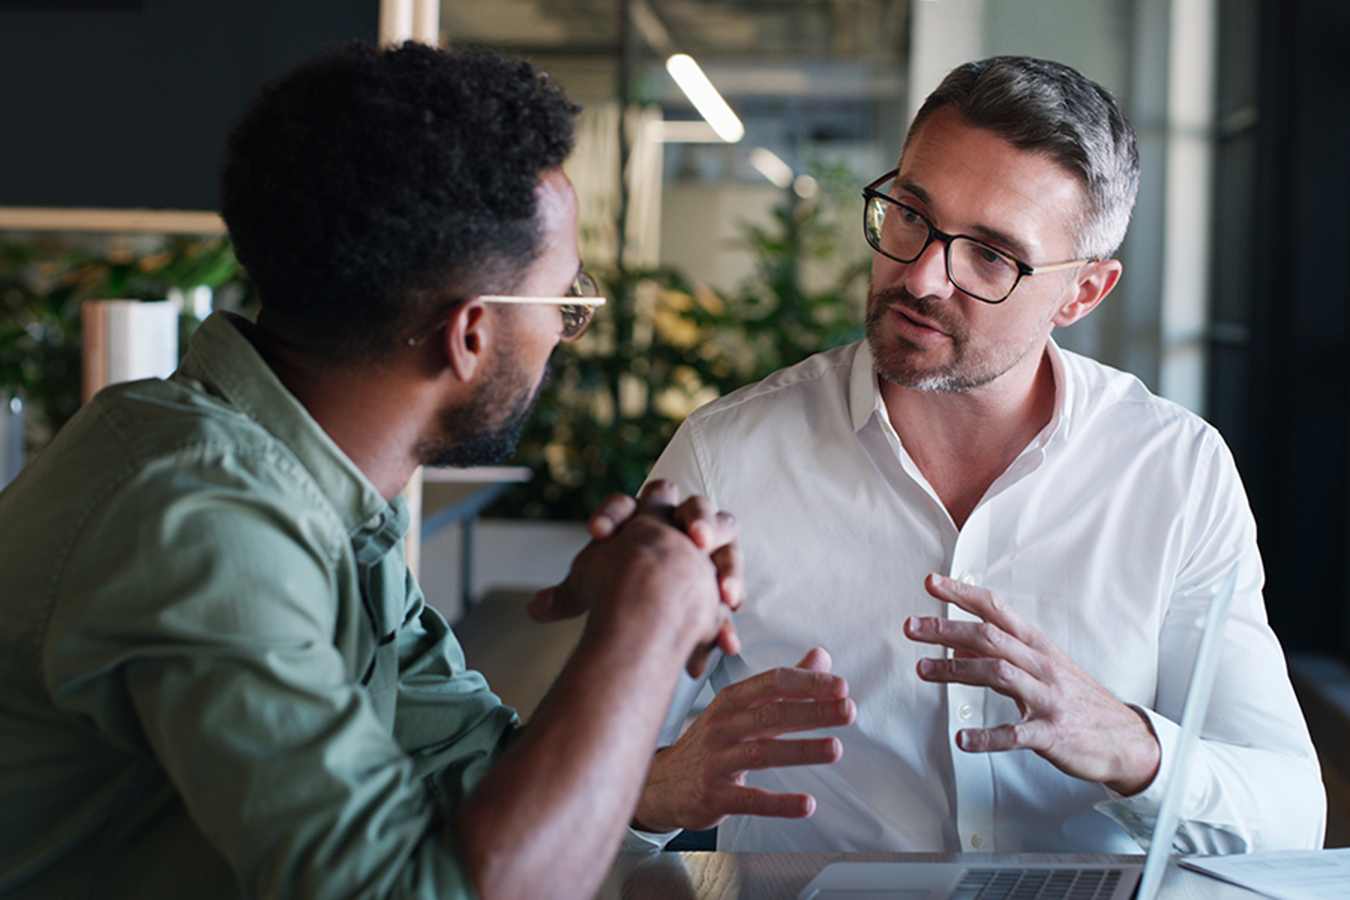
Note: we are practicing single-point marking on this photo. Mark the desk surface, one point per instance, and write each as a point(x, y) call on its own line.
point(780, 876)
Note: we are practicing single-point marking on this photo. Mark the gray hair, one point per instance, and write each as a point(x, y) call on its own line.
point(1049, 108)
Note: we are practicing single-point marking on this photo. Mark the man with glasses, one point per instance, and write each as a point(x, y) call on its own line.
point(1006, 547)
point(217, 676)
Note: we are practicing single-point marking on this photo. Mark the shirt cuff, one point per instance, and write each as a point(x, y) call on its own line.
point(647, 841)
point(1138, 812)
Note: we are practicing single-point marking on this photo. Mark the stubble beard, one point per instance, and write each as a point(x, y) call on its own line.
point(900, 362)
point(486, 430)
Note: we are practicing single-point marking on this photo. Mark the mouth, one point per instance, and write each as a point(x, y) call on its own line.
point(913, 322)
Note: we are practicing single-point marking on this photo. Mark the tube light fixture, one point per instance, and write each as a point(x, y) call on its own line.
point(705, 98)
point(771, 166)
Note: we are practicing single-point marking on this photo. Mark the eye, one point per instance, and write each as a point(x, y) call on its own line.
point(909, 216)
point(991, 259)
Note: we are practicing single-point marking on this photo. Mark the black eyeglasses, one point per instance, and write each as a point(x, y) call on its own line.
point(578, 308)
point(902, 233)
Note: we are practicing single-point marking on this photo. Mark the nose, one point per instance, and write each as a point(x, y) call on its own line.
point(927, 275)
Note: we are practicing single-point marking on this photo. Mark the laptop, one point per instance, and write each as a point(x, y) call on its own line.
point(972, 880)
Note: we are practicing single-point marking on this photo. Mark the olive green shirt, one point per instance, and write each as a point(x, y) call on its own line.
point(217, 676)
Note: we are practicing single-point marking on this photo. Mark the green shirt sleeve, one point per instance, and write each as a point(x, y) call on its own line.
point(215, 625)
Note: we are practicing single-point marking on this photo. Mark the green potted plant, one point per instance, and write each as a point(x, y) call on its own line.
point(43, 283)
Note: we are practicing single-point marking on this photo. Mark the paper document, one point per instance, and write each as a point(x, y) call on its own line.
point(1283, 874)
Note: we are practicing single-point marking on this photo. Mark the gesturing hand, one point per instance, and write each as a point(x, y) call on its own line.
point(700, 779)
point(1067, 717)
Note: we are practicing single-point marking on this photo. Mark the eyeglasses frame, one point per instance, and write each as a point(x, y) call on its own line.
point(1023, 269)
point(575, 303)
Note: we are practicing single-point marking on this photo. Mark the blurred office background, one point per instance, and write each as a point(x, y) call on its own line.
point(1236, 298)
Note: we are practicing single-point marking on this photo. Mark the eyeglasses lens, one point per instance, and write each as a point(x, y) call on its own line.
point(577, 317)
point(903, 234)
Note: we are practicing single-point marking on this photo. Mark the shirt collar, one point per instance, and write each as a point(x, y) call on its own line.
point(225, 362)
point(865, 394)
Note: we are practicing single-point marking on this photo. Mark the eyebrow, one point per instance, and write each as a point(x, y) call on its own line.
point(980, 232)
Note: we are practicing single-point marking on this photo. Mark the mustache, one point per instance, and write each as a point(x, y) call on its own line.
point(882, 299)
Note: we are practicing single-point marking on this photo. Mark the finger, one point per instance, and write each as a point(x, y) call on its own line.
point(730, 564)
point(698, 661)
point(995, 740)
point(996, 674)
point(696, 516)
point(540, 606)
point(971, 639)
point(817, 659)
point(659, 495)
point(777, 754)
point(980, 602)
point(748, 801)
point(612, 512)
point(728, 639)
point(782, 684)
point(706, 526)
point(770, 720)
point(555, 603)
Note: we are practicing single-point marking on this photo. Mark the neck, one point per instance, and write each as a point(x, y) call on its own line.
point(962, 442)
point(371, 411)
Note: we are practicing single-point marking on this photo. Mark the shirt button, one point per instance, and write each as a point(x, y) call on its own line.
point(968, 578)
point(965, 711)
point(976, 841)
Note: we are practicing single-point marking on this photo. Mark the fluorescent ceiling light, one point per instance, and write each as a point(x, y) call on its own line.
point(705, 98)
point(694, 131)
point(771, 166)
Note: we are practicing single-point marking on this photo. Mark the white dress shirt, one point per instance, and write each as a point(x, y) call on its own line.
point(1110, 533)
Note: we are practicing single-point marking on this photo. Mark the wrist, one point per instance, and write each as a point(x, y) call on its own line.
point(1142, 758)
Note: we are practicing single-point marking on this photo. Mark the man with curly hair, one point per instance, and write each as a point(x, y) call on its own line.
point(217, 675)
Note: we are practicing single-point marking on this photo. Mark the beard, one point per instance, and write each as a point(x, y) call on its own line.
point(897, 360)
point(486, 430)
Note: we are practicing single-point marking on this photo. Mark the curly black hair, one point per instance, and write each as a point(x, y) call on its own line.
point(368, 188)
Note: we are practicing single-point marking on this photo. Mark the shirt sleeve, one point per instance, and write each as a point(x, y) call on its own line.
point(447, 720)
point(196, 631)
point(1254, 782)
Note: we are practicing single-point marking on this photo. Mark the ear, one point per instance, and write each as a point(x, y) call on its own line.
point(1091, 285)
point(466, 337)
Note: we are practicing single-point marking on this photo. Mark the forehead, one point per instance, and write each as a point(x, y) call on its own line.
point(972, 181)
point(556, 214)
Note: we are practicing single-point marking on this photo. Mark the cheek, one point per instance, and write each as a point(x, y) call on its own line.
point(886, 272)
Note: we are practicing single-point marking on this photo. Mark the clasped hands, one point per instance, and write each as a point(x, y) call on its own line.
point(657, 550)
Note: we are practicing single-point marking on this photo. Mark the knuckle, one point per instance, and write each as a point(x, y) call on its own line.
point(769, 715)
point(1003, 671)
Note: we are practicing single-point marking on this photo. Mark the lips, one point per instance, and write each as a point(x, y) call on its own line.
point(917, 320)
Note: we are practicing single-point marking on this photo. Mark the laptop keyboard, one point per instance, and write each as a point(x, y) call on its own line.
point(1037, 884)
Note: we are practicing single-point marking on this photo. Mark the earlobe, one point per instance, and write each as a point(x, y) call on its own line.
point(466, 337)
point(1093, 284)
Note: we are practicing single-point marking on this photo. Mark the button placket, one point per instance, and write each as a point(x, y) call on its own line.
point(965, 703)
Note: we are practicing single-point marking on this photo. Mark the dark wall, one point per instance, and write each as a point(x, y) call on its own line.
point(1280, 366)
point(127, 103)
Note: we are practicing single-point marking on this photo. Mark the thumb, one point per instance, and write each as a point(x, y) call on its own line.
point(816, 660)
point(540, 607)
